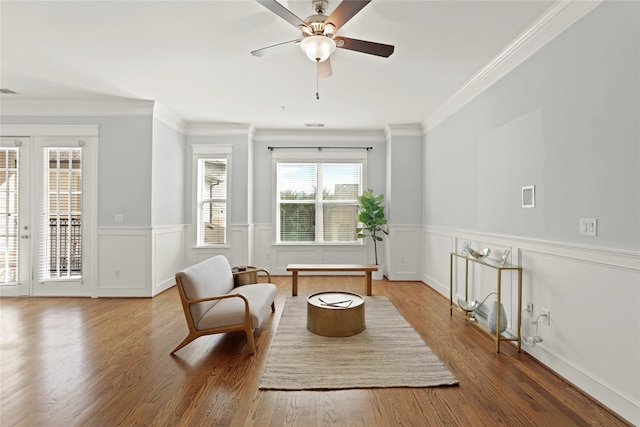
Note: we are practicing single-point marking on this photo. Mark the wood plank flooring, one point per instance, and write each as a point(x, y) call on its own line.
point(105, 362)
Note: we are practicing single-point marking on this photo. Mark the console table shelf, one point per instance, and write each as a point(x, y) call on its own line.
point(497, 336)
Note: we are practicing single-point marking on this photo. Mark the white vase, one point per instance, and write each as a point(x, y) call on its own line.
point(378, 275)
point(492, 318)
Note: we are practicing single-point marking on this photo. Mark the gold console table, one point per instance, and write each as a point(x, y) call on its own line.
point(498, 337)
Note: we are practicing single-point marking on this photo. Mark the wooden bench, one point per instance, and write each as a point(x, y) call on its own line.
point(296, 268)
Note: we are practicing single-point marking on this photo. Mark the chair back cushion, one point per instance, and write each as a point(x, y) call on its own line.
point(211, 277)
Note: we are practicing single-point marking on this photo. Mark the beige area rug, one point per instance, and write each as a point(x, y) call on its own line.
point(388, 353)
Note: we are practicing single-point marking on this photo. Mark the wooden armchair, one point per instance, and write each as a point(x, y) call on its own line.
point(212, 305)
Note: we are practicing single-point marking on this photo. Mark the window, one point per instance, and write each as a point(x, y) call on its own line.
point(305, 214)
point(62, 248)
point(211, 166)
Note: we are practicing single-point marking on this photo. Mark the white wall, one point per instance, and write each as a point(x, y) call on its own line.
point(168, 175)
point(566, 121)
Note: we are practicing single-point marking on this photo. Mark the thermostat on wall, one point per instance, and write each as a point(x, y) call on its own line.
point(529, 196)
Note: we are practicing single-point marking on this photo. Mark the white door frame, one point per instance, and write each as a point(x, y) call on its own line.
point(87, 136)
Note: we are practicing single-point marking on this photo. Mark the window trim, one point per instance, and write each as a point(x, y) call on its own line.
point(324, 156)
point(202, 152)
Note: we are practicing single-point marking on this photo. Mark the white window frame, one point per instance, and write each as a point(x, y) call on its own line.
point(324, 156)
point(205, 152)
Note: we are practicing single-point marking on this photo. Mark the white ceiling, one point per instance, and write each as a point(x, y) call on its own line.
point(193, 57)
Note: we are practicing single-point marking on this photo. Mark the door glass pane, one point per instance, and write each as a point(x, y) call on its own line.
point(62, 240)
point(9, 202)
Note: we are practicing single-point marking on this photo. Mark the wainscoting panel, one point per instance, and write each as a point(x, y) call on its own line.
point(330, 254)
point(403, 248)
point(168, 256)
point(124, 261)
point(592, 294)
point(262, 242)
point(436, 247)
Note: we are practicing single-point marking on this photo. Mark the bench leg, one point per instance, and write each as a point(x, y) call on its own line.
point(294, 283)
point(369, 284)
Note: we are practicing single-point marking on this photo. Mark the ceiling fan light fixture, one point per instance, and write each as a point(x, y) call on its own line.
point(329, 30)
point(318, 48)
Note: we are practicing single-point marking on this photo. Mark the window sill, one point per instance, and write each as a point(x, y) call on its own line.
point(199, 247)
point(317, 244)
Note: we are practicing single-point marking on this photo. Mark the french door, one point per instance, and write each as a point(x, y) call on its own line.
point(47, 215)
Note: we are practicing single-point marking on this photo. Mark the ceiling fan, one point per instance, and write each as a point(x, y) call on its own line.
point(319, 38)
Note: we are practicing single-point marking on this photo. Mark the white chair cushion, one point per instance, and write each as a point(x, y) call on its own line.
point(230, 311)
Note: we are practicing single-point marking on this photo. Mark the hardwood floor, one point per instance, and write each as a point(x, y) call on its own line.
point(105, 362)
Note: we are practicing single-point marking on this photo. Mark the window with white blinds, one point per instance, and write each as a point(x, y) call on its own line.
point(9, 214)
point(211, 193)
point(318, 201)
point(212, 201)
point(61, 240)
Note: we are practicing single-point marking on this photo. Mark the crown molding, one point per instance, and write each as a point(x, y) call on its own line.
point(559, 17)
point(318, 135)
point(26, 130)
point(217, 128)
point(169, 118)
point(408, 129)
point(75, 107)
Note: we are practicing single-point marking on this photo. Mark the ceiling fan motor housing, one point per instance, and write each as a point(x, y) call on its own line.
point(317, 27)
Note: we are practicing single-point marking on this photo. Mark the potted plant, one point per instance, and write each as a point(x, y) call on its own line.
point(371, 216)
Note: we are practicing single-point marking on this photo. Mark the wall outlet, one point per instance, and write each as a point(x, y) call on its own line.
point(529, 309)
point(116, 273)
point(588, 227)
point(119, 219)
point(546, 316)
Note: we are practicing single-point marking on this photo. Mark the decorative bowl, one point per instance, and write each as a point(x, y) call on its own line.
point(468, 306)
point(479, 255)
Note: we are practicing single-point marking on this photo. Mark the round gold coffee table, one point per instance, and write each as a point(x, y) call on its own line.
point(335, 314)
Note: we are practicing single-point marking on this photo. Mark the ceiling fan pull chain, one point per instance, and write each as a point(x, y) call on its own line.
point(318, 80)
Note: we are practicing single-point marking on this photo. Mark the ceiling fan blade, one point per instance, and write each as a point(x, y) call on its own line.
point(270, 49)
point(283, 12)
point(345, 11)
point(324, 68)
point(364, 46)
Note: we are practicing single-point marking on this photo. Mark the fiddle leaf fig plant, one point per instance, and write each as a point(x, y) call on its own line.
point(371, 216)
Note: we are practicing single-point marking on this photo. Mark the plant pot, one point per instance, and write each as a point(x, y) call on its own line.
point(378, 275)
